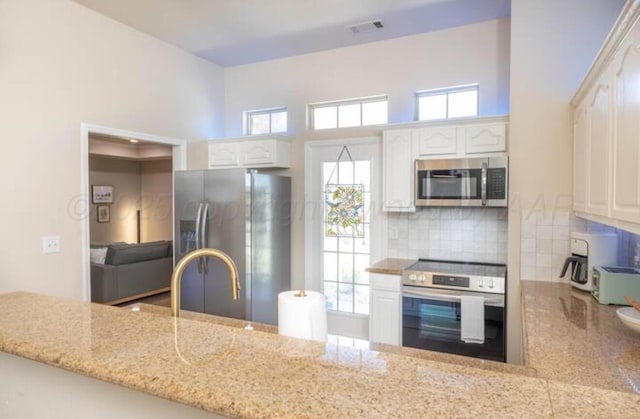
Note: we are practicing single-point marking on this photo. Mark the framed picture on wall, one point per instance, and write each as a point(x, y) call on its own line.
point(102, 194)
point(104, 214)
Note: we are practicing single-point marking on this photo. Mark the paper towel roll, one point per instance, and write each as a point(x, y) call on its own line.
point(302, 317)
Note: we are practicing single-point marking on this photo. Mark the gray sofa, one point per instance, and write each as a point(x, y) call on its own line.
point(132, 271)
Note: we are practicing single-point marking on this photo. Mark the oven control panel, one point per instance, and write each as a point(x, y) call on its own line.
point(492, 285)
point(452, 281)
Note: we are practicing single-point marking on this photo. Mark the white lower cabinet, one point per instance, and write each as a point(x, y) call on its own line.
point(385, 320)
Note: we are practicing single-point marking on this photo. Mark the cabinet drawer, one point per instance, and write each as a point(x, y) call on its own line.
point(485, 138)
point(386, 282)
point(223, 155)
point(436, 140)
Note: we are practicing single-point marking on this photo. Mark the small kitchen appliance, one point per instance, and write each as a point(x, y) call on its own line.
point(587, 251)
point(612, 284)
point(433, 294)
point(476, 182)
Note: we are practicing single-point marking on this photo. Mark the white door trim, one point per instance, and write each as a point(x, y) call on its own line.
point(312, 263)
point(179, 163)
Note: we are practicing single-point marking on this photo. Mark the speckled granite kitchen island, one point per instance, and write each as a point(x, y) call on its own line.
point(233, 372)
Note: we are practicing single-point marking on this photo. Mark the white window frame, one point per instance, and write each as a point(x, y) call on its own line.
point(338, 103)
point(447, 91)
point(270, 111)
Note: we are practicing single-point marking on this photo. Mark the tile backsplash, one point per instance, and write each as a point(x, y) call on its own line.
point(545, 243)
point(465, 234)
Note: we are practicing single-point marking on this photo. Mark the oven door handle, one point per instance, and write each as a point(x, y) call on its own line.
point(445, 297)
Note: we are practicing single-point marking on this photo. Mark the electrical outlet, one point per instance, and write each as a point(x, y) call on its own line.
point(393, 233)
point(51, 244)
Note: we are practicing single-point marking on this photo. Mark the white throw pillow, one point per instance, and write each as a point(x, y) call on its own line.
point(98, 255)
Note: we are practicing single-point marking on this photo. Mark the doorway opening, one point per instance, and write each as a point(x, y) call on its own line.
point(127, 223)
point(344, 227)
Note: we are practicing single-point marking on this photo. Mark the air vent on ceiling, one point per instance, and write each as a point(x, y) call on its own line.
point(365, 26)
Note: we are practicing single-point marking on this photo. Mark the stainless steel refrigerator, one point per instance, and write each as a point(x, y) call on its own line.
point(247, 215)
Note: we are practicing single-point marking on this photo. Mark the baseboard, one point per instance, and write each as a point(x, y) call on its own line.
point(136, 297)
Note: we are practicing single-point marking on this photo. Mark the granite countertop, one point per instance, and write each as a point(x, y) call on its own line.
point(231, 371)
point(573, 339)
point(390, 266)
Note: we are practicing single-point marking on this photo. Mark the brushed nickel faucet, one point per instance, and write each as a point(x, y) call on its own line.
point(176, 278)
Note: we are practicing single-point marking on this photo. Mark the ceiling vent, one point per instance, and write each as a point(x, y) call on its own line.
point(365, 26)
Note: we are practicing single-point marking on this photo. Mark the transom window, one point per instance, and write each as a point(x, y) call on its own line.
point(266, 121)
point(348, 113)
point(452, 102)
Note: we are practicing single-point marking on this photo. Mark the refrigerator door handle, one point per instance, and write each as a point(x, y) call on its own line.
point(198, 217)
point(203, 237)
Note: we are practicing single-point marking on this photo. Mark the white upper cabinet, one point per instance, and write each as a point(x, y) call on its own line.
point(397, 171)
point(436, 140)
point(224, 155)
point(625, 204)
point(485, 138)
point(607, 130)
point(599, 146)
point(250, 152)
point(580, 141)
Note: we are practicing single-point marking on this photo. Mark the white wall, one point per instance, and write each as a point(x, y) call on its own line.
point(476, 53)
point(156, 184)
point(124, 177)
point(62, 64)
point(552, 45)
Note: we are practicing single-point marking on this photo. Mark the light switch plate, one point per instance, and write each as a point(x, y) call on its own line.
point(393, 233)
point(51, 244)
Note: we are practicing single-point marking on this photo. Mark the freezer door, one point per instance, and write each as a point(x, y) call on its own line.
point(225, 229)
point(188, 199)
point(270, 266)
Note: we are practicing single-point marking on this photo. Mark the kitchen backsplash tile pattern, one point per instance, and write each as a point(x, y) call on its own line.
point(545, 243)
point(465, 234)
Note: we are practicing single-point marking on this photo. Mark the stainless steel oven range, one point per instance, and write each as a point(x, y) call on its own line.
point(433, 293)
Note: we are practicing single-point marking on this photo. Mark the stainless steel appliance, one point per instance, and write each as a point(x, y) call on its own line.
point(431, 305)
point(248, 216)
point(462, 182)
point(612, 283)
point(588, 250)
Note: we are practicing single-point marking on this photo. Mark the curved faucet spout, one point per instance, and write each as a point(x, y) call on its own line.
point(176, 278)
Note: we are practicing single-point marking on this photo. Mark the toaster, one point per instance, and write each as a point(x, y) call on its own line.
point(612, 283)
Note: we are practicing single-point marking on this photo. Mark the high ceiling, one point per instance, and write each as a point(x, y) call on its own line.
point(234, 32)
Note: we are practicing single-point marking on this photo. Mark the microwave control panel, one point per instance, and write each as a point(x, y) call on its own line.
point(496, 183)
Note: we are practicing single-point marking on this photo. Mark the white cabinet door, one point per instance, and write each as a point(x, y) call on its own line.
point(250, 153)
point(436, 140)
point(258, 153)
point(397, 171)
point(599, 145)
point(625, 204)
point(485, 138)
point(580, 142)
point(223, 155)
point(385, 320)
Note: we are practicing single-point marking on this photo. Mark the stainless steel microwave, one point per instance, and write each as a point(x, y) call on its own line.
point(476, 182)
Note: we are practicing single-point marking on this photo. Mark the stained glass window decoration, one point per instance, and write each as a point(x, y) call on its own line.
point(345, 210)
point(344, 204)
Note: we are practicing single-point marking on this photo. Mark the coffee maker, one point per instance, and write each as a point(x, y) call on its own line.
point(589, 250)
